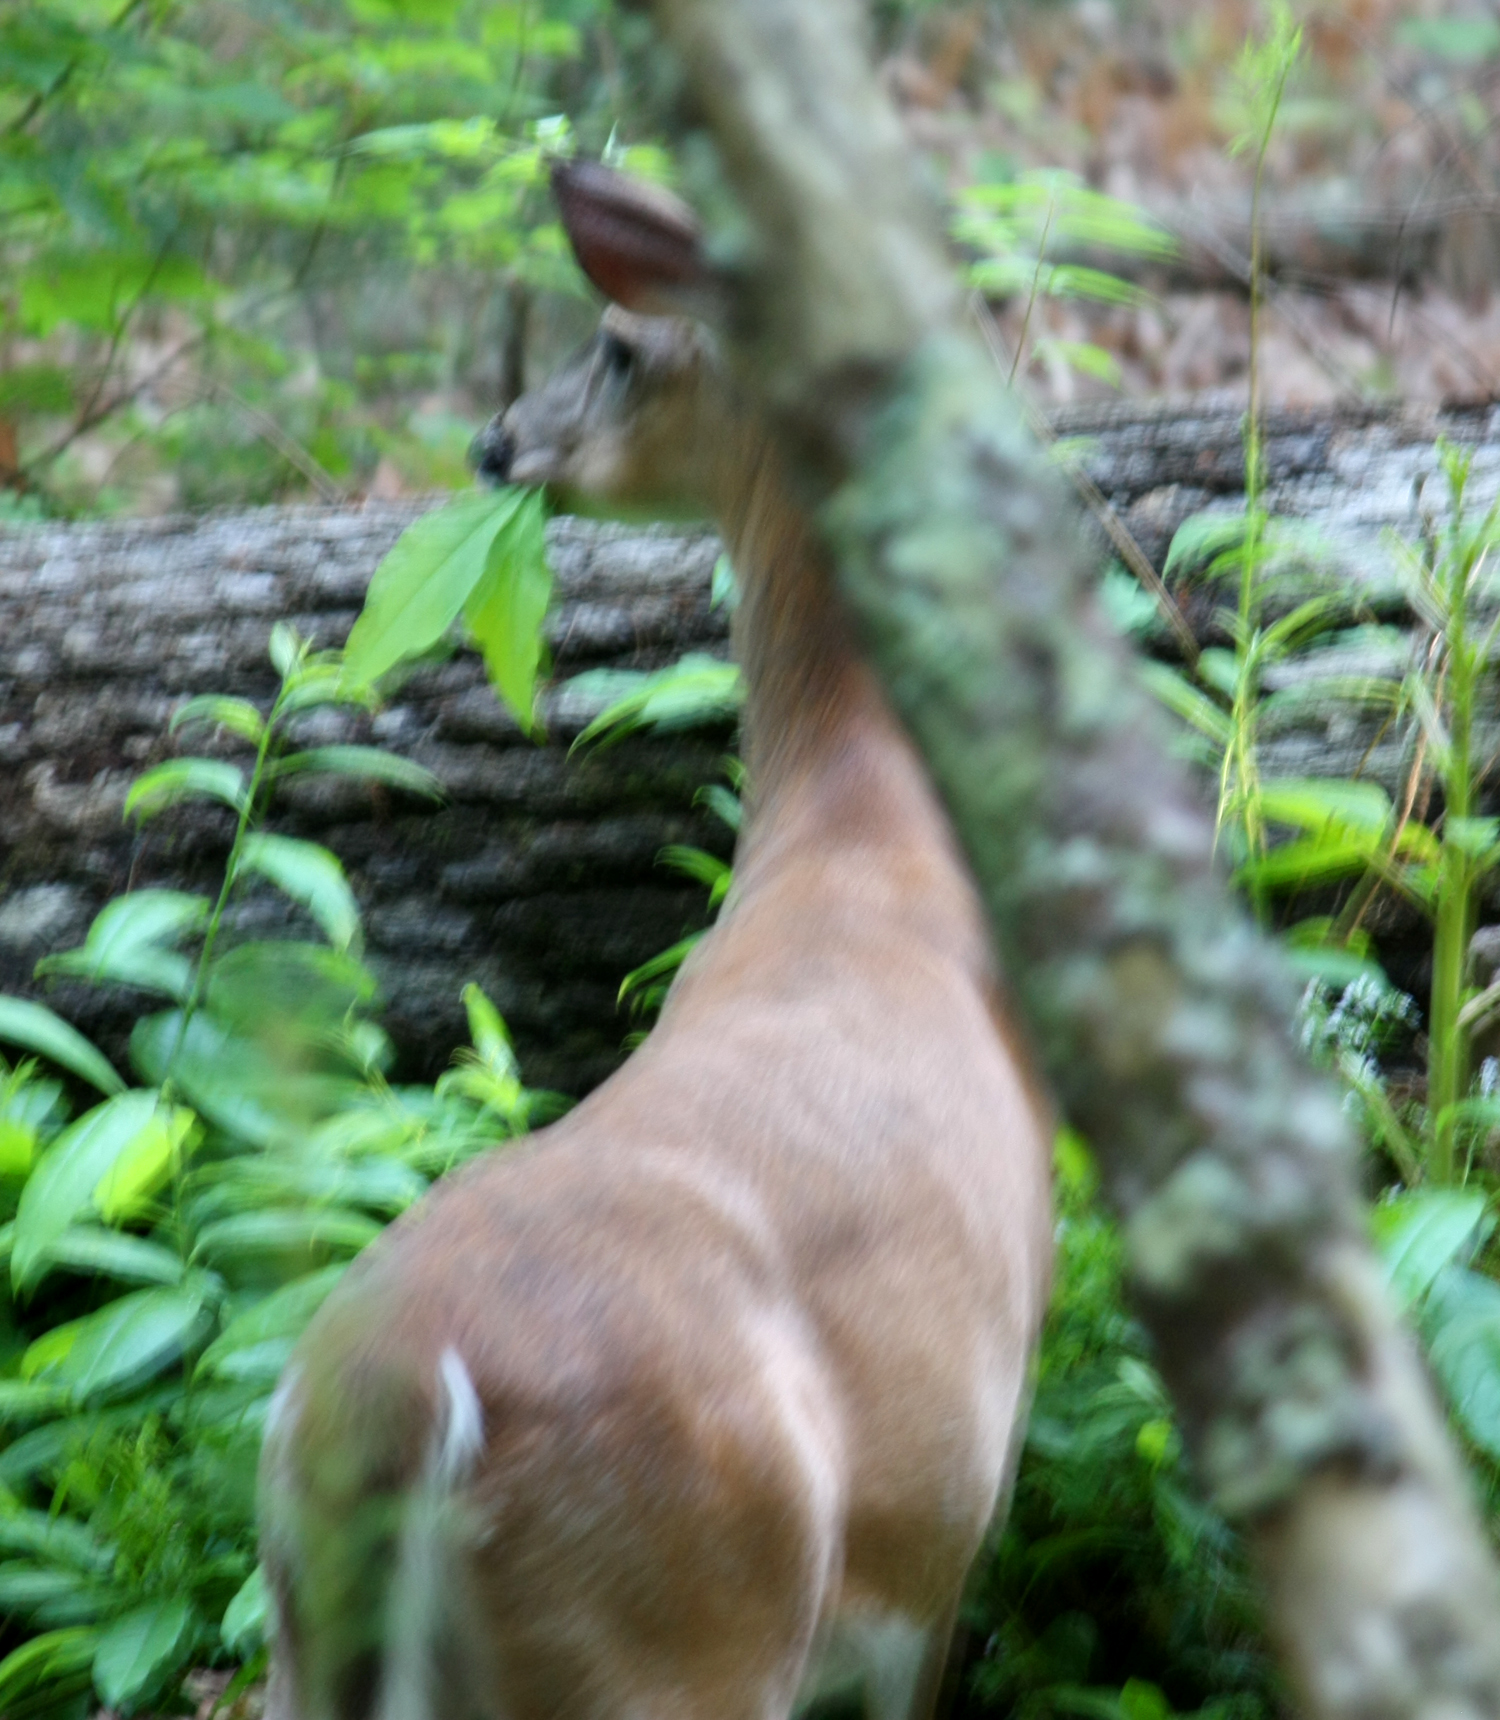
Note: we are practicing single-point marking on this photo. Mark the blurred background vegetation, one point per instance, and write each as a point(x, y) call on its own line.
point(300, 250)
point(256, 250)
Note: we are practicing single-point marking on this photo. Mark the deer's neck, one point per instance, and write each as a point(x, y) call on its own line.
point(829, 765)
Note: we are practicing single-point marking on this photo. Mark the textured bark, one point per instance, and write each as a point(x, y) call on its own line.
point(537, 876)
point(1162, 1016)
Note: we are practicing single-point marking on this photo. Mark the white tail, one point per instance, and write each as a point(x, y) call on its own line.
point(699, 1403)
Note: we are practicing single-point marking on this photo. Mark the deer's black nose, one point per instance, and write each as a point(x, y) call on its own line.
point(492, 451)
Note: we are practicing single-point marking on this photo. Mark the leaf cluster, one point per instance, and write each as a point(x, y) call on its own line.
point(166, 1246)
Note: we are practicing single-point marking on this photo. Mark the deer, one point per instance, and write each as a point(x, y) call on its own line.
point(696, 1404)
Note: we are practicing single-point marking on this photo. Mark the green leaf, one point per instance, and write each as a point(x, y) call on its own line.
point(45, 1595)
point(145, 1164)
point(424, 581)
point(57, 1539)
point(124, 944)
point(369, 763)
point(112, 1254)
point(487, 1031)
point(311, 876)
point(505, 610)
point(1462, 1321)
point(281, 1315)
point(28, 1400)
point(287, 1231)
point(123, 1343)
point(181, 779)
point(54, 1659)
point(287, 989)
point(1316, 803)
point(1202, 540)
point(138, 1649)
point(1420, 1234)
point(687, 694)
point(215, 710)
point(1180, 696)
point(660, 965)
point(286, 649)
point(244, 1626)
point(1475, 837)
point(38, 1029)
point(63, 1183)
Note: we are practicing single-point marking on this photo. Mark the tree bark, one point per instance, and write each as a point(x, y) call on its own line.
point(1162, 1016)
point(537, 876)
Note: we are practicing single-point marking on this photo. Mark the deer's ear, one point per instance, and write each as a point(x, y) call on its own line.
point(638, 244)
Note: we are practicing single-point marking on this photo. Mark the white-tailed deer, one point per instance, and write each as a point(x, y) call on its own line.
point(700, 1402)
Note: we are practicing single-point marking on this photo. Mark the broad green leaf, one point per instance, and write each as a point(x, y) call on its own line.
point(125, 1342)
point(38, 1029)
point(181, 779)
point(1313, 803)
point(60, 1540)
point(505, 610)
point(41, 1451)
point(145, 1164)
point(233, 1081)
point(63, 1183)
point(125, 942)
point(114, 1254)
point(47, 1596)
point(54, 1660)
point(1462, 1322)
point(1419, 1234)
point(49, 1351)
point(288, 996)
point(281, 1315)
point(249, 1235)
point(1310, 860)
point(18, 1144)
point(424, 581)
point(28, 1400)
point(138, 1649)
point(244, 1626)
point(239, 716)
point(368, 763)
point(311, 876)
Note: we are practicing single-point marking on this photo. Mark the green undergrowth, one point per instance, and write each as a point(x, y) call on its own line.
point(166, 1241)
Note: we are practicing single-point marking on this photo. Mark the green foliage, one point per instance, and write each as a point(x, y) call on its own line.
point(167, 1246)
point(182, 188)
point(1111, 1589)
point(484, 557)
point(1015, 225)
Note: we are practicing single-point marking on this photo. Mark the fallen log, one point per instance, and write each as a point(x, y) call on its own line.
point(537, 876)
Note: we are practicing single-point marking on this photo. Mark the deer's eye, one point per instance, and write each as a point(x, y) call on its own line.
point(619, 359)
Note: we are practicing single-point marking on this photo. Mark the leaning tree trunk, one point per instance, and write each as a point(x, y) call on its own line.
point(537, 876)
point(1163, 1017)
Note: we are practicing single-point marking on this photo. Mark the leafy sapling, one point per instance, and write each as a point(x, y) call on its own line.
point(168, 1245)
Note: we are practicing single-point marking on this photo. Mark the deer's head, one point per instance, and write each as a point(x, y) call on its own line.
point(644, 417)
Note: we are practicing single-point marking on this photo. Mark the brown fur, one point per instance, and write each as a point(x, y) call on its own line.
point(750, 1327)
